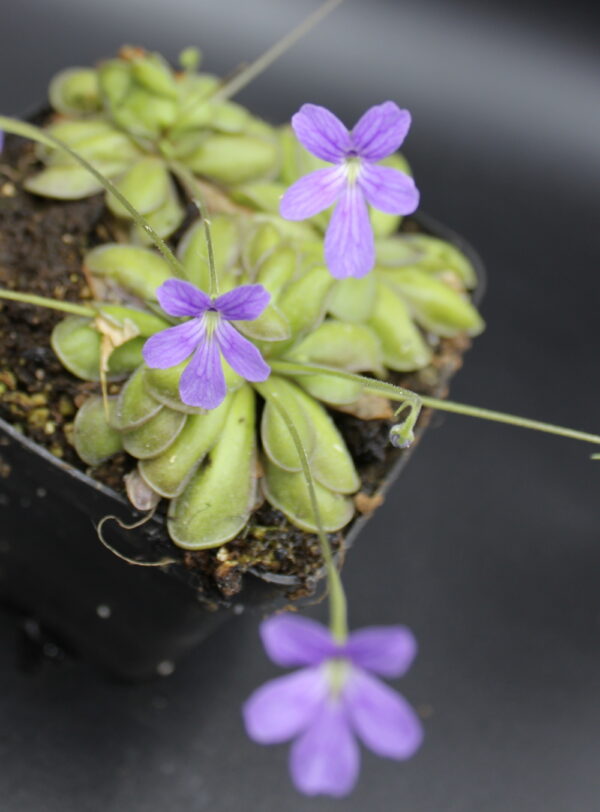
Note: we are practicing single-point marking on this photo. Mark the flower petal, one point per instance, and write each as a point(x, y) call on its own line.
point(173, 345)
point(202, 382)
point(382, 719)
point(291, 640)
point(388, 189)
point(283, 707)
point(349, 244)
point(180, 298)
point(380, 131)
point(321, 132)
point(313, 193)
point(244, 303)
point(386, 650)
point(325, 759)
point(241, 354)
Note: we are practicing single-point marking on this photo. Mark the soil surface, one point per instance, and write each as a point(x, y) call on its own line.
point(42, 243)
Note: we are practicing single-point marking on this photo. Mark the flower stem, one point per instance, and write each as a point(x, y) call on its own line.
point(390, 390)
point(397, 393)
point(337, 598)
point(26, 130)
point(264, 61)
point(511, 419)
point(193, 188)
point(43, 301)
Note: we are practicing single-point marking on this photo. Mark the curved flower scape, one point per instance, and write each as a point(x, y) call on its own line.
point(353, 181)
point(207, 334)
point(333, 699)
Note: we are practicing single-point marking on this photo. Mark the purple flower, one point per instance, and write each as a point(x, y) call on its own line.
point(207, 335)
point(332, 699)
point(353, 181)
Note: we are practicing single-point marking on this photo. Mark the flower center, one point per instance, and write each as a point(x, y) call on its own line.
point(353, 166)
point(211, 320)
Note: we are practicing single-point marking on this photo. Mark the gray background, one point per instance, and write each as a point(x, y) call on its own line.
point(491, 537)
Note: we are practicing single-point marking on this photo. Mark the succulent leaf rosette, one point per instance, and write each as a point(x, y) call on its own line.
point(310, 269)
point(197, 402)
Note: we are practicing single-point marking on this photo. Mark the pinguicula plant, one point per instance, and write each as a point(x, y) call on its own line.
point(221, 356)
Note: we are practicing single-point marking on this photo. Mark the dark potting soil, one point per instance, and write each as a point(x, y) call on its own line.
point(42, 243)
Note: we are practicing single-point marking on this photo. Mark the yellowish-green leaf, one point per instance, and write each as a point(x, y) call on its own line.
point(276, 439)
point(155, 435)
point(436, 306)
point(353, 299)
point(94, 439)
point(169, 473)
point(288, 493)
point(70, 182)
point(145, 185)
point(139, 270)
point(353, 347)
point(217, 502)
point(75, 91)
point(233, 159)
point(404, 348)
point(135, 405)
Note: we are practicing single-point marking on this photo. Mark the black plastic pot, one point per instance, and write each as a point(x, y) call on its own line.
point(132, 621)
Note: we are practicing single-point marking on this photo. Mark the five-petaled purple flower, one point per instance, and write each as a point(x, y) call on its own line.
point(332, 698)
point(354, 181)
point(207, 335)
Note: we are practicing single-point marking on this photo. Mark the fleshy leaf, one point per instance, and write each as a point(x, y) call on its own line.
point(169, 472)
point(404, 348)
point(138, 270)
point(144, 323)
point(217, 502)
point(288, 492)
point(304, 301)
point(233, 159)
point(353, 299)
point(436, 306)
point(335, 391)
point(93, 138)
point(75, 91)
point(125, 358)
point(77, 345)
point(70, 182)
point(164, 220)
point(94, 439)
point(353, 347)
point(427, 253)
point(276, 439)
point(271, 325)
point(115, 80)
point(135, 405)
point(144, 114)
point(264, 240)
point(262, 195)
point(154, 435)
point(145, 185)
point(151, 71)
point(277, 270)
point(331, 462)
